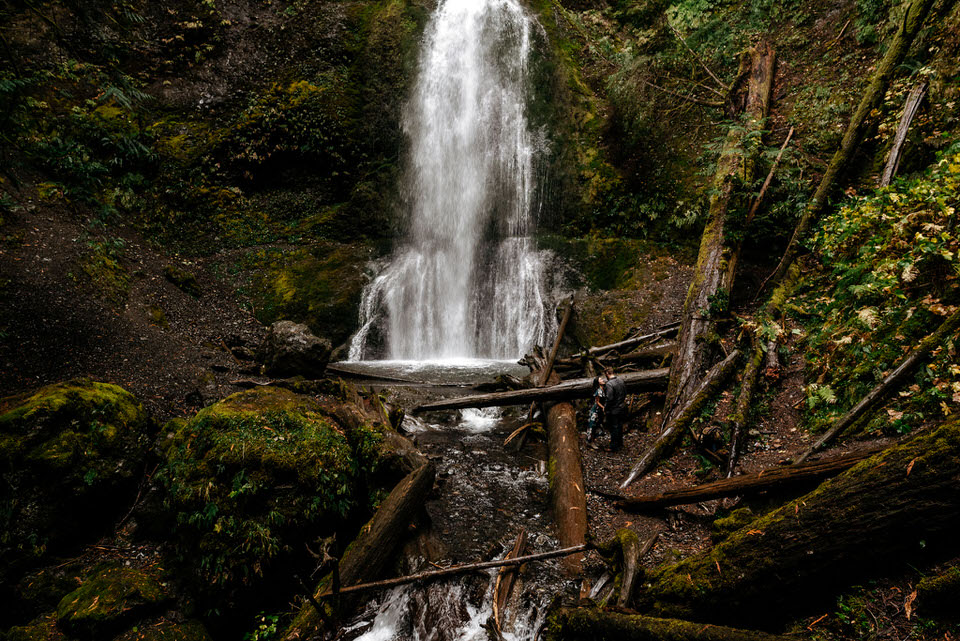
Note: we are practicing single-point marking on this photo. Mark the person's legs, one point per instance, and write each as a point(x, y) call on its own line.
point(615, 427)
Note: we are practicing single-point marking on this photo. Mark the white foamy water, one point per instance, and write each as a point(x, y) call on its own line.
point(466, 280)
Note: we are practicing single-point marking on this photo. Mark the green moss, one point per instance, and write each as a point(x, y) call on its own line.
point(727, 525)
point(70, 453)
point(940, 595)
point(107, 602)
point(41, 629)
point(166, 631)
point(247, 481)
point(158, 317)
point(104, 266)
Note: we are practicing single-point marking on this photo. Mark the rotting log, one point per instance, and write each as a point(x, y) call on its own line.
point(772, 479)
point(565, 468)
point(741, 409)
point(913, 19)
point(711, 285)
point(891, 382)
point(910, 108)
point(370, 552)
point(588, 624)
point(673, 431)
point(656, 353)
point(647, 381)
point(860, 524)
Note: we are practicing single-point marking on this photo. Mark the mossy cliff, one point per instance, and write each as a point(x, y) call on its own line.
point(72, 457)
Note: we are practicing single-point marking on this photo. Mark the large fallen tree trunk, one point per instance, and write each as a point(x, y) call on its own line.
point(588, 624)
point(565, 467)
point(892, 381)
point(648, 381)
point(777, 478)
point(868, 520)
point(913, 20)
point(710, 288)
point(673, 431)
point(369, 553)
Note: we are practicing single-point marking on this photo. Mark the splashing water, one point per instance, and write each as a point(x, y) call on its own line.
point(466, 281)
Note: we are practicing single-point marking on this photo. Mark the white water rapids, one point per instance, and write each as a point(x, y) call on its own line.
point(466, 279)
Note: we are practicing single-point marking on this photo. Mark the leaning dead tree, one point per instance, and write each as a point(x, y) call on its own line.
point(816, 543)
point(913, 19)
point(711, 282)
point(910, 108)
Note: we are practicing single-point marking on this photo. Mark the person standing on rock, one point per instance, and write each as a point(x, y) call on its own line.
point(615, 408)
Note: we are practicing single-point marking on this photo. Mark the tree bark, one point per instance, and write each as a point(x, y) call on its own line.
point(673, 431)
point(772, 479)
point(629, 343)
point(738, 417)
point(893, 380)
point(852, 527)
point(910, 109)
point(651, 380)
point(913, 20)
point(588, 624)
point(506, 578)
point(711, 283)
point(371, 551)
point(565, 467)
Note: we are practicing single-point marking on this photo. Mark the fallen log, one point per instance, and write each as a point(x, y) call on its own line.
point(864, 522)
point(629, 343)
point(657, 353)
point(651, 380)
point(910, 109)
point(568, 498)
point(708, 294)
point(370, 552)
point(913, 19)
point(892, 381)
point(456, 570)
point(506, 578)
point(674, 430)
point(588, 624)
point(547, 369)
point(777, 478)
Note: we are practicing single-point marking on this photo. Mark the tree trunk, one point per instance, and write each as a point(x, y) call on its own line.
point(506, 578)
point(772, 479)
point(565, 467)
point(629, 343)
point(738, 417)
point(913, 20)
point(893, 380)
point(852, 527)
point(910, 109)
point(371, 551)
point(673, 431)
point(654, 354)
point(711, 283)
point(648, 381)
point(588, 624)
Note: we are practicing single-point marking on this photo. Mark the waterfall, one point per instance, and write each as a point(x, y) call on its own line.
point(466, 279)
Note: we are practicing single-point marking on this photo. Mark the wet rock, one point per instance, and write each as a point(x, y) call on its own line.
point(71, 456)
point(291, 349)
point(106, 603)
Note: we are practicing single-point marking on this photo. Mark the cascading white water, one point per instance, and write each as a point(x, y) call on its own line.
point(466, 280)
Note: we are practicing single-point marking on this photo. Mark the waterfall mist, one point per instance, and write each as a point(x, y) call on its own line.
point(466, 279)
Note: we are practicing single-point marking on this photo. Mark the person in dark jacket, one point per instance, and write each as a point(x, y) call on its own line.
point(595, 415)
point(615, 409)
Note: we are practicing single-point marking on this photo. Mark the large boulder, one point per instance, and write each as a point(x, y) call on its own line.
point(109, 601)
point(71, 457)
point(291, 349)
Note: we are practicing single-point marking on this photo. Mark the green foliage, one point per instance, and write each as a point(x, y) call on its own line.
point(890, 267)
point(251, 478)
point(267, 628)
point(103, 264)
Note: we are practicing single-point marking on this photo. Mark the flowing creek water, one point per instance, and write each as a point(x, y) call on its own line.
point(485, 494)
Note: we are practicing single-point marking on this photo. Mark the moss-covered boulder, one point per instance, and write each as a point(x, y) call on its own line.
point(71, 457)
point(41, 629)
point(249, 481)
point(940, 595)
point(109, 601)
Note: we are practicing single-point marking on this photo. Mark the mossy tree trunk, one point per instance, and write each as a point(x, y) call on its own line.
point(851, 527)
point(913, 19)
point(568, 498)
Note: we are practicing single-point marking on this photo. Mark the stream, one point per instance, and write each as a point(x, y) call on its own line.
point(485, 495)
